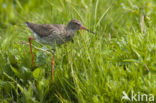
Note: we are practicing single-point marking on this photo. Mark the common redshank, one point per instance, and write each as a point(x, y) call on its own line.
point(52, 34)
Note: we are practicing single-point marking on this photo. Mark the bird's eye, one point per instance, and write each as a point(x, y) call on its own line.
point(77, 23)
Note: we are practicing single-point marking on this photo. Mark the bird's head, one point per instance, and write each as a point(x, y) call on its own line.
point(76, 25)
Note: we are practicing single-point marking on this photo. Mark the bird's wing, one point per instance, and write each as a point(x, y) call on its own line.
point(47, 29)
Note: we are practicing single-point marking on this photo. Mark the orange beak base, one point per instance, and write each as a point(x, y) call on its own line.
point(84, 28)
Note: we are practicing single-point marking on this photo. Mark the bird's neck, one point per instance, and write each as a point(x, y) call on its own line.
point(70, 34)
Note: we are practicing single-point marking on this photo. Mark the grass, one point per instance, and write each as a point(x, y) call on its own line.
point(92, 69)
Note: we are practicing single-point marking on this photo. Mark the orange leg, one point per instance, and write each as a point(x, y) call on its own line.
point(52, 70)
point(30, 38)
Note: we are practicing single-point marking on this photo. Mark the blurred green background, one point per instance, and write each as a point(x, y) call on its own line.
point(93, 69)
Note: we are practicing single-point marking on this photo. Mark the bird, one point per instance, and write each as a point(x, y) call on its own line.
point(54, 34)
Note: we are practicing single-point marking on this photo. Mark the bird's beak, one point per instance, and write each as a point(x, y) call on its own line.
point(84, 28)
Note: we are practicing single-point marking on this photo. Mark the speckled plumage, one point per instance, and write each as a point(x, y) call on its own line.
point(54, 33)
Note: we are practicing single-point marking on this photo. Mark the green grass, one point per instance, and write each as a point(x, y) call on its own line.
point(92, 69)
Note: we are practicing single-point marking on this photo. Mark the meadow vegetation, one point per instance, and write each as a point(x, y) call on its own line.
point(93, 68)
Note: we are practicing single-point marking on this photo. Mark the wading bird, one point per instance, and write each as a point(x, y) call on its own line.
point(52, 34)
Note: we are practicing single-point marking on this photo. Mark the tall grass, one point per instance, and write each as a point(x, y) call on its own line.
point(93, 68)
